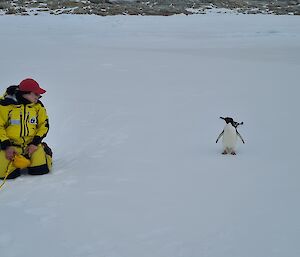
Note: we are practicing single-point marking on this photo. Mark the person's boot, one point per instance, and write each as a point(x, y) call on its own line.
point(38, 170)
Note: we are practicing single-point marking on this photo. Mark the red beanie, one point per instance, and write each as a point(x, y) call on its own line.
point(30, 85)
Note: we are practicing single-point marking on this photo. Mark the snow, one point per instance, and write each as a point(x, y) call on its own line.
point(134, 106)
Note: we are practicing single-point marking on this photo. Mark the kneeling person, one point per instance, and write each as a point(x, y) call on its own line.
point(23, 126)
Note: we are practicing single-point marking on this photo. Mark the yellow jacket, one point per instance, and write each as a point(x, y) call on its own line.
point(22, 124)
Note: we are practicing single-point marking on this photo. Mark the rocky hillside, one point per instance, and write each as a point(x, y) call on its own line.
point(150, 7)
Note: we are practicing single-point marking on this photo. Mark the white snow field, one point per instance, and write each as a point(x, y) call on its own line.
point(134, 106)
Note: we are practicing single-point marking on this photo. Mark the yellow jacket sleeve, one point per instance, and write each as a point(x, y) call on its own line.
point(42, 125)
point(4, 110)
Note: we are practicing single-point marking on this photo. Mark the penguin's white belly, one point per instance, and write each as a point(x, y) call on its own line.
point(229, 137)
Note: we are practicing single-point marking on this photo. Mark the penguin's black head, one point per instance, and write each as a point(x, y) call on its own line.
point(11, 90)
point(231, 121)
point(228, 120)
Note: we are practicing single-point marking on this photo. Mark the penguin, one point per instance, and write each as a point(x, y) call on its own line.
point(10, 93)
point(230, 135)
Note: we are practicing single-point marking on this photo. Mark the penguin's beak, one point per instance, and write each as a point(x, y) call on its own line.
point(222, 118)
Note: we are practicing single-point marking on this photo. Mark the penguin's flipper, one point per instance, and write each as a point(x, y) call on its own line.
point(239, 135)
point(220, 136)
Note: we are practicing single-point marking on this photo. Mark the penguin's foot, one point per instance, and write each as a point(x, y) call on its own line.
point(224, 152)
point(233, 153)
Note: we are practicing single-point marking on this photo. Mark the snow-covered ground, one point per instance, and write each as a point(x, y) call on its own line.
point(134, 106)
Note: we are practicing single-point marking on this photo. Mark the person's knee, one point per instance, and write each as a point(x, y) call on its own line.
point(38, 158)
point(4, 164)
point(41, 162)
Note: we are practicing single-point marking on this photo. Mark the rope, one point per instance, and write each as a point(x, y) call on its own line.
point(6, 175)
